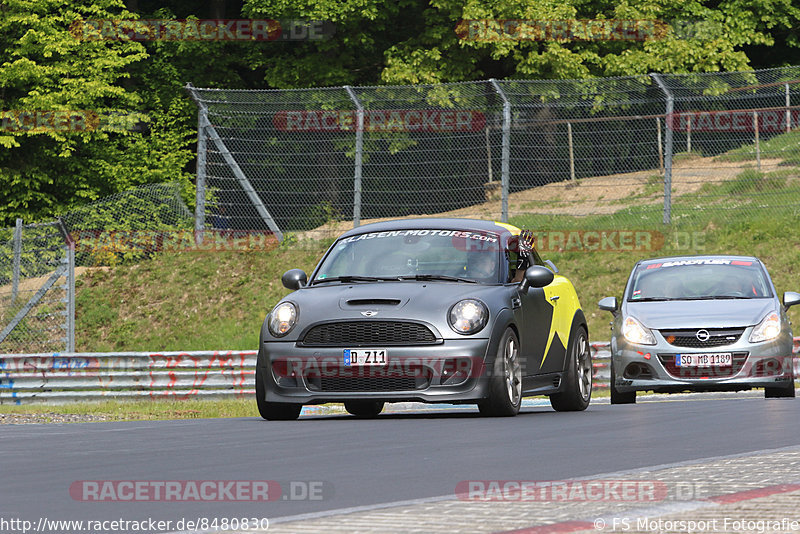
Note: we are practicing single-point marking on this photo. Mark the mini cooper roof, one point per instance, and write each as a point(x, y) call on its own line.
point(475, 225)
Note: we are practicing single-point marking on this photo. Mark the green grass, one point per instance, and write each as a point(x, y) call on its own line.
point(686, 156)
point(145, 410)
point(785, 146)
point(750, 182)
point(597, 274)
point(205, 301)
point(194, 301)
point(185, 301)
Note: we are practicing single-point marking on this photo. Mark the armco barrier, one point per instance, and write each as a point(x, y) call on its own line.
point(59, 377)
point(56, 377)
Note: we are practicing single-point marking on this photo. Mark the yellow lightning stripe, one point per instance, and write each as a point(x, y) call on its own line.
point(563, 310)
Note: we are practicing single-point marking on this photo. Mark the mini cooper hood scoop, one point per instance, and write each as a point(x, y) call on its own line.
point(371, 303)
point(701, 313)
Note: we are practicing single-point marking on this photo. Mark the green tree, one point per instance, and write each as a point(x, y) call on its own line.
point(704, 36)
point(45, 68)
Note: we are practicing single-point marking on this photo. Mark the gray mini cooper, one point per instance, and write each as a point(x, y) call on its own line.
point(425, 310)
point(700, 323)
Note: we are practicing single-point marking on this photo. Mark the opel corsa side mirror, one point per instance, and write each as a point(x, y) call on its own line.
point(790, 298)
point(609, 304)
point(294, 279)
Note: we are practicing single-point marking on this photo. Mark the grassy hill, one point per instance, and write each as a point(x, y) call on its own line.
point(185, 301)
point(721, 205)
point(196, 301)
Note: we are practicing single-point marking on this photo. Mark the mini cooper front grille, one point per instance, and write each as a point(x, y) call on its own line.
point(367, 383)
point(372, 333)
point(668, 361)
point(702, 338)
point(354, 379)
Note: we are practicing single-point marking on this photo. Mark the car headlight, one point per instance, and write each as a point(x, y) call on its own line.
point(282, 319)
point(468, 316)
point(635, 332)
point(768, 328)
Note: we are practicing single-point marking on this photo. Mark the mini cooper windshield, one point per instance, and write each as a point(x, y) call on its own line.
point(700, 279)
point(446, 255)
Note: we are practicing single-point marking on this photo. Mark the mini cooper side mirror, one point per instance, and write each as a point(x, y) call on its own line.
point(790, 298)
point(536, 276)
point(608, 304)
point(294, 279)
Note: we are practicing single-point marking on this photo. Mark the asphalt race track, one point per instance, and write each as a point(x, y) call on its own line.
point(347, 462)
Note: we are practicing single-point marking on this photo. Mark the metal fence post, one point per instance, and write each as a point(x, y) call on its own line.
point(689, 135)
point(788, 113)
point(571, 153)
point(69, 287)
point(244, 182)
point(668, 148)
point(660, 146)
point(506, 154)
point(757, 141)
point(359, 155)
point(70, 296)
point(200, 184)
point(16, 261)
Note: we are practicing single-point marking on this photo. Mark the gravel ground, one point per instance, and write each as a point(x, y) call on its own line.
point(48, 417)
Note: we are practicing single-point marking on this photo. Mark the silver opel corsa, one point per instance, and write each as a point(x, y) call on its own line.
point(700, 323)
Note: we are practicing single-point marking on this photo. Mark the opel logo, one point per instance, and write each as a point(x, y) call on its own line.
point(369, 313)
point(702, 335)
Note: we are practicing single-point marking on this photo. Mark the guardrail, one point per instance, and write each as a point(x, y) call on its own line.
point(62, 377)
point(85, 376)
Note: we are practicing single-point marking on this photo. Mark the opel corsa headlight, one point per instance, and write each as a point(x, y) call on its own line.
point(468, 316)
point(768, 328)
point(635, 332)
point(282, 319)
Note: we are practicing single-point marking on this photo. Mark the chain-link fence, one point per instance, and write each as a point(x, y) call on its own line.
point(127, 226)
point(37, 261)
point(37, 288)
point(644, 150)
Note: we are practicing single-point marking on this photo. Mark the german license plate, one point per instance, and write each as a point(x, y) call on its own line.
point(359, 357)
point(717, 359)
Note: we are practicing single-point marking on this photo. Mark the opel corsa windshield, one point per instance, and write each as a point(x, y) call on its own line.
point(701, 279)
point(449, 255)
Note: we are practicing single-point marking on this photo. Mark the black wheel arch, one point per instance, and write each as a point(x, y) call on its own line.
point(578, 320)
point(505, 319)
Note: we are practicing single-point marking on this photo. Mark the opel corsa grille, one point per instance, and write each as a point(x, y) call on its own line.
point(710, 337)
point(373, 333)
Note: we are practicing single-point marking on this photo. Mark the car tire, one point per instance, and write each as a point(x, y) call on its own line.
point(364, 409)
point(274, 411)
point(505, 382)
point(781, 392)
point(618, 397)
point(577, 392)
